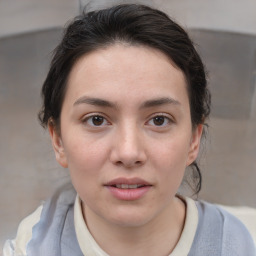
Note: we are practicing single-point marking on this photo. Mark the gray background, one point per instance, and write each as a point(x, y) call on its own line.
point(225, 35)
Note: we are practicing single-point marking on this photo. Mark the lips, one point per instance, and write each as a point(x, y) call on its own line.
point(128, 183)
point(128, 189)
point(127, 186)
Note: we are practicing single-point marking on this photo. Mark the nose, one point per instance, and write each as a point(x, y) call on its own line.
point(128, 148)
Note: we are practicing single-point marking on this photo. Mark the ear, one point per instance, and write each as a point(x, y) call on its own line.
point(195, 144)
point(57, 145)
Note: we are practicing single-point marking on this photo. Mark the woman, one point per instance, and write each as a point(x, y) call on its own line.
point(125, 102)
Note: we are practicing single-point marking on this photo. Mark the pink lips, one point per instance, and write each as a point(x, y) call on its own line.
point(128, 189)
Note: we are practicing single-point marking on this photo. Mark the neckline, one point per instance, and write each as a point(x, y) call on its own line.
point(89, 246)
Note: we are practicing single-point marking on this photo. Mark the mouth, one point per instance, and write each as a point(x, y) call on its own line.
point(128, 186)
point(128, 189)
point(128, 183)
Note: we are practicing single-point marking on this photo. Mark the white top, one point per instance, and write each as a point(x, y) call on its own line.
point(89, 246)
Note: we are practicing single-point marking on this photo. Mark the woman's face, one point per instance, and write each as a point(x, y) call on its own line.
point(126, 133)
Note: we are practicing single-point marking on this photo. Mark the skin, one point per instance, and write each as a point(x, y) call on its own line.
point(144, 131)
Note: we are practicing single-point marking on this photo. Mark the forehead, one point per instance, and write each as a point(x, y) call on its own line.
point(122, 68)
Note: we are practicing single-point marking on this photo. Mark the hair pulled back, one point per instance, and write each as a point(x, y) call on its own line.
point(134, 25)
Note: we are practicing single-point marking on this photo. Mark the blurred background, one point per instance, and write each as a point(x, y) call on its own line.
point(224, 32)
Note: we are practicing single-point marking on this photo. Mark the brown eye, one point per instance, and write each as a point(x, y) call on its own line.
point(159, 120)
point(95, 120)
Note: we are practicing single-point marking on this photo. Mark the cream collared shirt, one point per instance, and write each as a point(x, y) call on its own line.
point(89, 246)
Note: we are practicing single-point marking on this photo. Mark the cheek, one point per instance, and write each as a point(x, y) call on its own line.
point(172, 152)
point(85, 164)
point(85, 157)
point(170, 161)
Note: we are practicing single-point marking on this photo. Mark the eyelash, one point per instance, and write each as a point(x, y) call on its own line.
point(89, 120)
point(167, 120)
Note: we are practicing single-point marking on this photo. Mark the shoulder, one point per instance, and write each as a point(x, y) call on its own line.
point(247, 215)
point(220, 215)
point(222, 231)
point(18, 245)
point(48, 219)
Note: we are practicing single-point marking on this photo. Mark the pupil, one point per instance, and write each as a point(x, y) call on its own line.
point(159, 120)
point(97, 120)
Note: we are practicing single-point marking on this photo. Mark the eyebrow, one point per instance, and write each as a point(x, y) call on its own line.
point(95, 102)
point(147, 104)
point(159, 102)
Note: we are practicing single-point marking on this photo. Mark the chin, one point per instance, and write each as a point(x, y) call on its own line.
point(131, 218)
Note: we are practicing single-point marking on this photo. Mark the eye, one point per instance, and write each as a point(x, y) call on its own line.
point(95, 120)
point(160, 121)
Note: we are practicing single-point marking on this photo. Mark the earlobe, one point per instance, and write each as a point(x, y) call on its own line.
point(195, 144)
point(57, 146)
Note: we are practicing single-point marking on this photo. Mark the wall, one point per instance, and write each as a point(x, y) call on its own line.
point(31, 29)
point(222, 15)
point(18, 16)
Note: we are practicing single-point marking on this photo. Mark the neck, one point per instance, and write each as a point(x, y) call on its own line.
point(156, 237)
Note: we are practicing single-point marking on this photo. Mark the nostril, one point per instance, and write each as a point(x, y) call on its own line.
point(130, 164)
point(119, 163)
